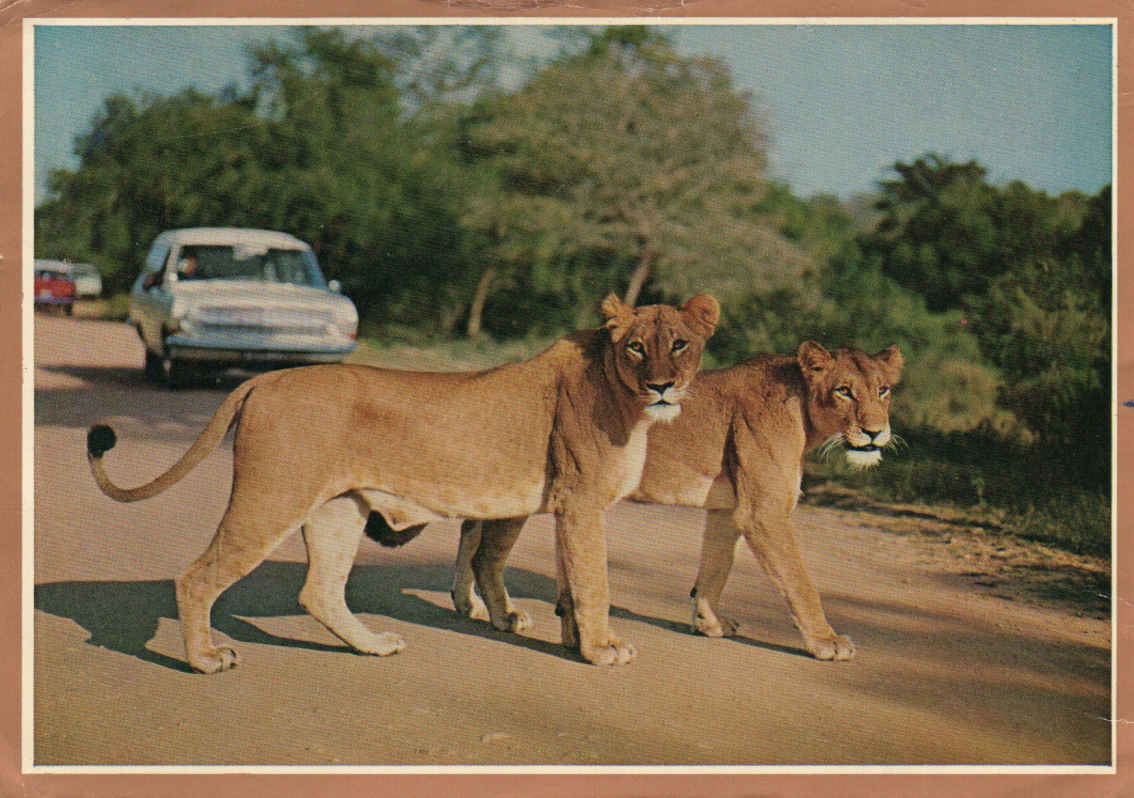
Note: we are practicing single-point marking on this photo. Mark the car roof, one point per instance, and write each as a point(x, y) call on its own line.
point(235, 236)
point(65, 266)
point(44, 264)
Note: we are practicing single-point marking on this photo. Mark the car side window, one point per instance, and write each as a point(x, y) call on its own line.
point(157, 256)
point(157, 260)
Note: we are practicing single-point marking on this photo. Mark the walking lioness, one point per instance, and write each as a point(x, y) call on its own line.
point(322, 447)
point(737, 450)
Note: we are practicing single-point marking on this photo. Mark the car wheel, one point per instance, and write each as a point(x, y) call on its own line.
point(179, 374)
point(155, 368)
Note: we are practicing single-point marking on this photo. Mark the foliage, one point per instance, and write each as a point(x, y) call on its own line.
point(1031, 273)
point(937, 235)
point(623, 165)
point(148, 164)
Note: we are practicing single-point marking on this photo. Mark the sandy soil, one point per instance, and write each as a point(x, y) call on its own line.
point(967, 653)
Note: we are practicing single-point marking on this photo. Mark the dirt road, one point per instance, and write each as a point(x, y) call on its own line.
point(947, 673)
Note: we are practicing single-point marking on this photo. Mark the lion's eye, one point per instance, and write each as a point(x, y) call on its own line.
point(679, 345)
point(636, 347)
point(844, 393)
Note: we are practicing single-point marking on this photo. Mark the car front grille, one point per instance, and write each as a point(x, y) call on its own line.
point(260, 322)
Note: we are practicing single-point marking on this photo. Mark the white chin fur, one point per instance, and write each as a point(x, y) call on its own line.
point(662, 412)
point(863, 459)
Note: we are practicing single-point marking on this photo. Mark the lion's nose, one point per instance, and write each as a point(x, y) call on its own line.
point(659, 387)
point(873, 433)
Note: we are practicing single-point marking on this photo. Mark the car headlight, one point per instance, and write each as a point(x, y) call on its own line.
point(183, 317)
point(344, 321)
point(179, 309)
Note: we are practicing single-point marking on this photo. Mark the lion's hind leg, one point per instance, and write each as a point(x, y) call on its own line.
point(718, 551)
point(497, 539)
point(484, 547)
point(465, 599)
point(332, 534)
point(239, 545)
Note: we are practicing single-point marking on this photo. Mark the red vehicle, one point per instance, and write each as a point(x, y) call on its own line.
point(53, 288)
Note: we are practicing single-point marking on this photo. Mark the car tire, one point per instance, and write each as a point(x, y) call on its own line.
point(179, 374)
point(154, 368)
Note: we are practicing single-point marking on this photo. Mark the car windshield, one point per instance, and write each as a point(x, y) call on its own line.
point(213, 262)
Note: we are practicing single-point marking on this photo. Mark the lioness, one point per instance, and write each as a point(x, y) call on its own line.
point(321, 447)
point(737, 449)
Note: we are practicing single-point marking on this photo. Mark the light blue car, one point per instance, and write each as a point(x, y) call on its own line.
point(218, 297)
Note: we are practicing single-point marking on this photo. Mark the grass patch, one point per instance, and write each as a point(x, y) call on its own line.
point(112, 308)
point(419, 354)
point(1019, 495)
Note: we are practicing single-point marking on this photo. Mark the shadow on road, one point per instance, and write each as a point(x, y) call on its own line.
point(124, 616)
point(125, 393)
point(107, 376)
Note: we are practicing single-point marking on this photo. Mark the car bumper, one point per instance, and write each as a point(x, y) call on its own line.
point(236, 351)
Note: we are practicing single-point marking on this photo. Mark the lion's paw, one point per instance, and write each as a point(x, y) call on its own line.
point(615, 652)
point(383, 644)
point(708, 623)
point(514, 621)
point(715, 625)
point(471, 606)
point(214, 660)
point(834, 647)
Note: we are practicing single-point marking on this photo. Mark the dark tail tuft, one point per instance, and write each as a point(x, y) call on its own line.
point(100, 440)
point(377, 529)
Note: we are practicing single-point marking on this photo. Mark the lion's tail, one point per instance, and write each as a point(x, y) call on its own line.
point(101, 439)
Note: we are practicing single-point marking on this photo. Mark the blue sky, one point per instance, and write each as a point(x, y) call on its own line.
point(840, 103)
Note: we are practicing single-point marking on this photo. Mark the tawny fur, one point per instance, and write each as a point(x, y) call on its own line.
point(737, 450)
point(321, 448)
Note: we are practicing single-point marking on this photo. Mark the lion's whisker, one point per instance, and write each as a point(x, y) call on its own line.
point(829, 446)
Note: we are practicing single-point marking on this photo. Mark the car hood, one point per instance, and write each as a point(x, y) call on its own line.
point(251, 294)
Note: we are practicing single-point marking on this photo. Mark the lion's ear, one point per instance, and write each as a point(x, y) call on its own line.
point(702, 313)
point(618, 315)
point(813, 359)
point(890, 359)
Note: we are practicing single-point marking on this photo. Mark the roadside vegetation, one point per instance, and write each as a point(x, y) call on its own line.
point(473, 216)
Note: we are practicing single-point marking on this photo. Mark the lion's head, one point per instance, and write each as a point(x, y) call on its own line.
point(657, 349)
point(848, 399)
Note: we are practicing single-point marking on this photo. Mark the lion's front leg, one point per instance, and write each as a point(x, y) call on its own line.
point(332, 534)
point(770, 536)
point(584, 592)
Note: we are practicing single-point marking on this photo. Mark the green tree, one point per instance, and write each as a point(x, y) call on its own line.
point(622, 164)
point(149, 163)
point(1046, 324)
point(368, 176)
point(324, 145)
point(938, 232)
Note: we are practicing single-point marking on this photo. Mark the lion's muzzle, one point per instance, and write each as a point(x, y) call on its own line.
point(664, 401)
